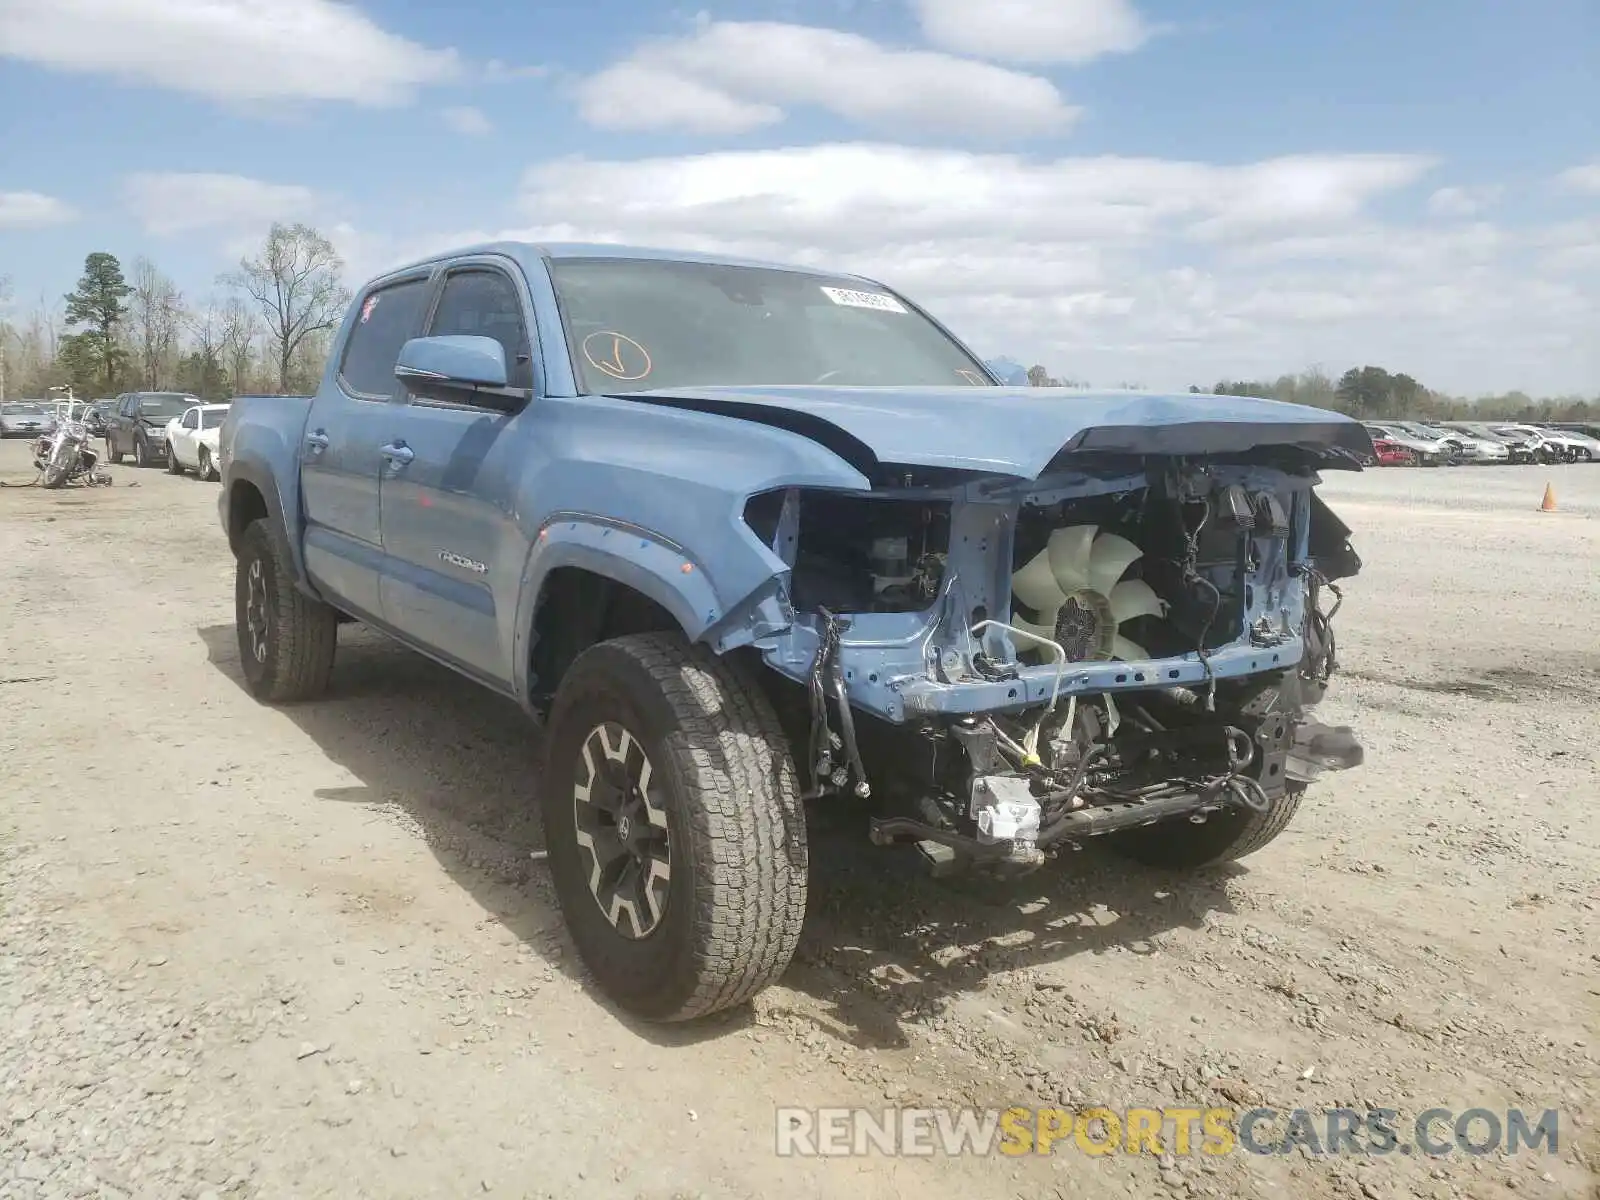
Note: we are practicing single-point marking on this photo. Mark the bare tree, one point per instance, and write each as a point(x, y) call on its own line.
point(48, 318)
point(203, 365)
point(238, 331)
point(295, 284)
point(205, 326)
point(156, 316)
point(1317, 388)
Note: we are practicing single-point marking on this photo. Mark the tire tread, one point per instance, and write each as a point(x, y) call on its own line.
point(748, 820)
point(300, 659)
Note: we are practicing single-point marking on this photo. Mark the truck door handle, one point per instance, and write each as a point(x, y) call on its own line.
point(398, 453)
point(318, 441)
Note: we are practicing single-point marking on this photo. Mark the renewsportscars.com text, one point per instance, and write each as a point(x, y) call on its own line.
point(1435, 1132)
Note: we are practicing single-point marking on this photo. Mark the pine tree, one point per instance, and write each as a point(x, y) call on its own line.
point(100, 305)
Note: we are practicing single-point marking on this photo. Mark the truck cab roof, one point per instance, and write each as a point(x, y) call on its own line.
point(529, 251)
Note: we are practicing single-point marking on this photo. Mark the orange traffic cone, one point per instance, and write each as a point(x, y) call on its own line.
point(1549, 504)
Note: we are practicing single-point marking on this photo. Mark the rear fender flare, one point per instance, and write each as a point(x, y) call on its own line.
point(283, 513)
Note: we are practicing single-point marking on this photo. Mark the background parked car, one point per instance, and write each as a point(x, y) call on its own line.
point(1546, 447)
point(1463, 447)
point(25, 418)
point(138, 425)
point(1520, 448)
point(1585, 446)
point(1587, 428)
point(192, 440)
point(1428, 452)
point(95, 417)
point(1487, 449)
point(1392, 454)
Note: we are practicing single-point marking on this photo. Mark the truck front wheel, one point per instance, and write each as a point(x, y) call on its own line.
point(286, 639)
point(1180, 845)
point(674, 827)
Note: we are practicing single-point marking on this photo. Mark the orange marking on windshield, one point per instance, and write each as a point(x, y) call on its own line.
point(620, 358)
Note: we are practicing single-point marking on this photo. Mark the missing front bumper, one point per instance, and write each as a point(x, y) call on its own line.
point(1304, 752)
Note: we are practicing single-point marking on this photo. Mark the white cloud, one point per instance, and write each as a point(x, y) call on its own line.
point(852, 196)
point(167, 203)
point(1033, 31)
point(1164, 272)
point(30, 210)
point(1584, 179)
point(468, 121)
point(236, 50)
point(1569, 248)
point(1464, 201)
point(637, 95)
point(731, 77)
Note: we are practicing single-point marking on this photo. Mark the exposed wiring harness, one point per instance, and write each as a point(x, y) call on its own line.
point(1030, 740)
point(1321, 624)
point(1192, 577)
point(828, 678)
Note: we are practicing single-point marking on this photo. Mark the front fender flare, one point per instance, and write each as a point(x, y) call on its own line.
point(633, 556)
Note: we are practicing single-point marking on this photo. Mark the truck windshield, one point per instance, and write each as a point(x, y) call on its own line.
point(638, 324)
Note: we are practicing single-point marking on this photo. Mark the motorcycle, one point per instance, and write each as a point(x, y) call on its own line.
point(65, 456)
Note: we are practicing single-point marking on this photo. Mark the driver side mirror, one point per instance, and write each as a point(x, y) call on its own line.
point(461, 368)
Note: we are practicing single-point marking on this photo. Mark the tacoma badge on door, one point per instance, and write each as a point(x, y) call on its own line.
point(456, 560)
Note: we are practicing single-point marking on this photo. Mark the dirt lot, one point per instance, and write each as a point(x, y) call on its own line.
point(248, 952)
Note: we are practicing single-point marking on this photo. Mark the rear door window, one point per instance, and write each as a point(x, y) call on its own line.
point(388, 319)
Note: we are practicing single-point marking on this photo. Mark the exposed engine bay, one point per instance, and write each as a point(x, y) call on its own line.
point(1004, 672)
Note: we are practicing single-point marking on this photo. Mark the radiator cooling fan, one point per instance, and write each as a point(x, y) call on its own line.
point(1072, 587)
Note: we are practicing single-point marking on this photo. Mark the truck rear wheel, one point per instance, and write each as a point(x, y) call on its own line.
point(286, 639)
point(674, 827)
point(1180, 845)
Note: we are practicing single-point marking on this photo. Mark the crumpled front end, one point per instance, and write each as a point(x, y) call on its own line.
point(1003, 667)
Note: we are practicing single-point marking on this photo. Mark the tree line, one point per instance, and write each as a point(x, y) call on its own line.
point(265, 327)
point(1372, 393)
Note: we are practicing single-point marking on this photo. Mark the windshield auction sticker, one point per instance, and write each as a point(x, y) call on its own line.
point(875, 300)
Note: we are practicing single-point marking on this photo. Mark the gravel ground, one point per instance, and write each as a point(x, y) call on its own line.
point(304, 952)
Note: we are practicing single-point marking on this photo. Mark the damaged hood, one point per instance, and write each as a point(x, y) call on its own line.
point(1019, 430)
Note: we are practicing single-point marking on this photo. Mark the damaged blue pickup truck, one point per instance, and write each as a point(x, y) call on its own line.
point(747, 539)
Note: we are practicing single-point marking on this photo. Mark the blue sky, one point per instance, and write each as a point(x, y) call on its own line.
point(1139, 191)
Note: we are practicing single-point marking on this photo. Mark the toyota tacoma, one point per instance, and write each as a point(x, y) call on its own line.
point(747, 539)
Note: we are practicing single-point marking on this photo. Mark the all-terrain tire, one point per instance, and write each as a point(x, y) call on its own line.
point(1180, 845)
point(735, 825)
point(174, 467)
point(204, 470)
point(293, 656)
